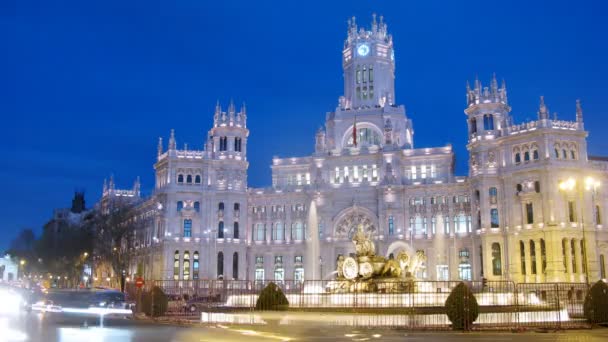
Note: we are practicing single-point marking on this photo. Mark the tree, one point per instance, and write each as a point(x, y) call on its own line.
point(596, 303)
point(272, 298)
point(461, 307)
point(116, 228)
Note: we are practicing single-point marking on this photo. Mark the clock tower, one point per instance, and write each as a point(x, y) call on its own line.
point(368, 60)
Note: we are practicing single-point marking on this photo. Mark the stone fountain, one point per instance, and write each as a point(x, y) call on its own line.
point(368, 272)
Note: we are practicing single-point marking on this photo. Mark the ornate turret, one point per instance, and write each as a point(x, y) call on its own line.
point(320, 141)
point(368, 61)
point(159, 149)
point(579, 112)
point(172, 143)
point(543, 111)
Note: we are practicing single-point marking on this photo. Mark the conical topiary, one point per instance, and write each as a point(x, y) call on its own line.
point(596, 303)
point(272, 298)
point(461, 307)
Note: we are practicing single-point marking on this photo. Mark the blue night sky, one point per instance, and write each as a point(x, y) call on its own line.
point(87, 87)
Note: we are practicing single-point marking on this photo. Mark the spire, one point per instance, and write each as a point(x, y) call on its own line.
point(543, 112)
point(105, 186)
point(172, 144)
point(160, 147)
point(579, 111)
point(374, 23)
point(243, 109)
point(494, 84)
point(136, 186)
point(231, 109)
point(111, 185)
point(468, 87)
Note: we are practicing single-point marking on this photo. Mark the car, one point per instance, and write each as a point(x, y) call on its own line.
point(84, 302)
point(198, 303)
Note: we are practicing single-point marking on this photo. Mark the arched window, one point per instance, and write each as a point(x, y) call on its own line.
point(564, 154)
point(235, 230)
point(180, 178)
point(496, 259)
point(371, 73)
point(460, 223)
point(583, 254)
point(556, 153)
point(488, 122)
point(365, 74)
point(573, 253)
point(260, 233)
point(237, 206)
point(543, 255)
point(365, 136)
point(598, 215)
point(602, 266)
point(522, 257)
point(176, 265)
point(532, 257)
point(527, 156)
point(517, 158)
point(180, 205)
point(237, 144)
point(391, 225)
point(197, 179)
point(565, 255)
point(297, 231)
point(494, 222)
point(220, 206)
point(187, 228)
point(537, 186)
point(235, 265)
point(189, 179)
point(220, 265)
point(358, 77)
point(573, 154)
point(535, 154)
point(197, 206)
point(186, 266)
point(195, 266)
point(278, 233)
point(220, 230)
point(473, 126)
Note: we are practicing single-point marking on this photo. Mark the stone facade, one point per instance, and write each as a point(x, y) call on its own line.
point(508, 220)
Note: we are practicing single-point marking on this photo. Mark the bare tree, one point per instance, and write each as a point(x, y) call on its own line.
point(116, 228)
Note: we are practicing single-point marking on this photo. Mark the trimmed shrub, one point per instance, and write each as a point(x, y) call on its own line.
point(155, 302)
point(596, 303)
point(272, 298)
point(461, 307)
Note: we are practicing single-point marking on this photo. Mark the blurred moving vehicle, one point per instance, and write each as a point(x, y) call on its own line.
point(200, 303)
point(85, 302)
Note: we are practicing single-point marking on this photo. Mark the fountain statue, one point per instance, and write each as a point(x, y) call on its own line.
point(368, 272)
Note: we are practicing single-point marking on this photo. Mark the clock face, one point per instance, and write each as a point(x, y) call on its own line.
point(363, 50)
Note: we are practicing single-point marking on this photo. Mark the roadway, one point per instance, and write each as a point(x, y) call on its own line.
point(36, 327)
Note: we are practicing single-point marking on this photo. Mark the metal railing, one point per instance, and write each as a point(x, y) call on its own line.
point(410, 305)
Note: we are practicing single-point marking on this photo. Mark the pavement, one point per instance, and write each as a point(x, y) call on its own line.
point(36, 327)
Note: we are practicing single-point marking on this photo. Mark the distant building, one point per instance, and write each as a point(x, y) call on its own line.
point(67, 217)
point(529, 210)
point(9, 269)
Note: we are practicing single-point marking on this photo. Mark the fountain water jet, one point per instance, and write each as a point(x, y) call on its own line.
point(312, 244)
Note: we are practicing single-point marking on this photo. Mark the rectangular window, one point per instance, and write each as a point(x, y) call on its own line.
point(433, 172)
point(279, 275)
point(187, 228)
point(413, 172)
point(423, 171)
point(494, 223)
point(443, 272)
point(346, 178)
point(374, 173)
point(571, 211)
point(391, 225)
point(464, 272)
point(356, 173)
point(529, 213)
point(278, 259)
point(307, 178)
point(298, 274)
point(259, 274)
point(365, 173)
point(298, 259)
point(446, 225)
point(259, 260)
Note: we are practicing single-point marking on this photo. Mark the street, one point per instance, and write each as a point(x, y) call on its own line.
point(36, 327)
